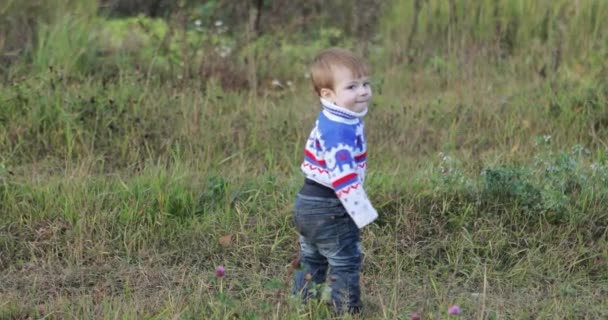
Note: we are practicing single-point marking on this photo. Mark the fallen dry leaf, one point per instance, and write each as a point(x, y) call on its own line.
point(226, 241)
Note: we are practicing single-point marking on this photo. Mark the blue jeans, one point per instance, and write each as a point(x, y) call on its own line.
point(328, 238)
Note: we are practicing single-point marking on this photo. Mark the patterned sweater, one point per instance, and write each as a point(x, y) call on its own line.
point(335, 156)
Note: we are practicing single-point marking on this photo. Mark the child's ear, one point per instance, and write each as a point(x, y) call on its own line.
point(326, 93)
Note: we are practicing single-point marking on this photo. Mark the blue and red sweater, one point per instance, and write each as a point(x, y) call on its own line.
point(335, 156)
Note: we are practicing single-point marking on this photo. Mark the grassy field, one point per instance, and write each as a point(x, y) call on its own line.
point(123, 187)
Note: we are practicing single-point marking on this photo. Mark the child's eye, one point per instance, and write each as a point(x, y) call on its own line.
point(366, 84)
point(351, 87)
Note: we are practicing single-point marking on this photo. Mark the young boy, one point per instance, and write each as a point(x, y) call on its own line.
point(332, 206)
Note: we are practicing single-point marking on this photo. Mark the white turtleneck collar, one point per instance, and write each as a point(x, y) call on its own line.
point(341, 112)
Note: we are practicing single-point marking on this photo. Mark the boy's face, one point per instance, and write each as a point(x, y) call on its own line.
point(351, 93)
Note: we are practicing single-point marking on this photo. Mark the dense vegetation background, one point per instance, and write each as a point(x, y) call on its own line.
point(143, 143)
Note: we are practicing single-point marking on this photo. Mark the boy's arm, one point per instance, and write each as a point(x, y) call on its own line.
point(348, 185)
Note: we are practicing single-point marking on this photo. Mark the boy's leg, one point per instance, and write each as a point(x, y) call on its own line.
point(313, 269)
point(345, 262)
point(328, 235)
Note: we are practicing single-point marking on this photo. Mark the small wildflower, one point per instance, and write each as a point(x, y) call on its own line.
point(277, 84)
point(219, 23)
point(415, 316)
point(308, 277)
point(454, 310)
point(198, 22)
point(220, 271)
point(223, 51)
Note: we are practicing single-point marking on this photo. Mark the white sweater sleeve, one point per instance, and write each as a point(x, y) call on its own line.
point(348, 185)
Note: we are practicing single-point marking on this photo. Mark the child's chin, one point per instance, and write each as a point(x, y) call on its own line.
point(361, 107)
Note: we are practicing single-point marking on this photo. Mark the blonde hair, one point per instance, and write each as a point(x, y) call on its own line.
point(321, 67)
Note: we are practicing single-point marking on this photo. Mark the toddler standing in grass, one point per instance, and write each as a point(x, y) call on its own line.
point(332, 205)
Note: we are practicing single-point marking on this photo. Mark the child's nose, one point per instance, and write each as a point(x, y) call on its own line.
point(364, 90)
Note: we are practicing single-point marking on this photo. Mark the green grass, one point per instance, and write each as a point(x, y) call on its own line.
point(117, 183)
